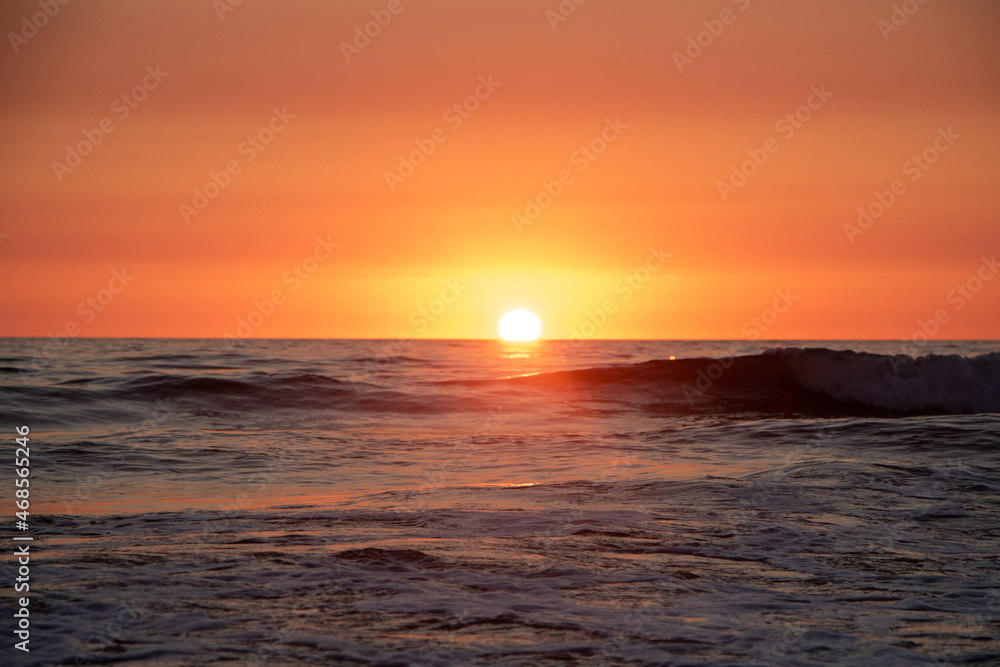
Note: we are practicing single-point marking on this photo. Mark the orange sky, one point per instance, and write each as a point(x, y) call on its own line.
point(445, 238)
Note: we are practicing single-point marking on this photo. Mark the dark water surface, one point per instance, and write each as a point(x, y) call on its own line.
point(477, 503)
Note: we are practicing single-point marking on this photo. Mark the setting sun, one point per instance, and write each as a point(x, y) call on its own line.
point(520, 325)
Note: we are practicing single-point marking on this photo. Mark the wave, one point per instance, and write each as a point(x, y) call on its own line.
point(206, 395)
point(948, 383)
point(803, 380)
point(262, 391)
point(781, 381)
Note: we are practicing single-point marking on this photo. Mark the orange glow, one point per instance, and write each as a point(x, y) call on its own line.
point(477, 157)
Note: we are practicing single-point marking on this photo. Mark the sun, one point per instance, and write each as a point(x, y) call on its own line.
point(520, 324)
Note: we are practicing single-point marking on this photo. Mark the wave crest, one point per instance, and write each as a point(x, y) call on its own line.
point(932, 383)
point(803, 380)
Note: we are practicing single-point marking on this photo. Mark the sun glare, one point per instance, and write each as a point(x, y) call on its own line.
point(520, 325)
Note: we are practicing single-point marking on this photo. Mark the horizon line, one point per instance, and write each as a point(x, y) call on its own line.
point(500, 340)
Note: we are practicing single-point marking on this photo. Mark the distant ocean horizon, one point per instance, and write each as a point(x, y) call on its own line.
point(476, 502)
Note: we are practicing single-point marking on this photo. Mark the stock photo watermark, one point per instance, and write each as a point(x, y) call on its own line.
point(759, 324)
point(752, 329)
point(102, 471)
point(915, 167)
point(454, 116)
point(22, 504)
point(424, 316)
point(899, 17)
point(294, 277)
point(111, 634)
point(581, 159)
point(697, 43)
point(223, 7)
point(248, 149)
point(562, 12)
point(227, 517)
point(419, 320)
point(957, 298)
point(786, 126)
point(88, 310)
point(462, 451)
point(625, 288)
point(363, 35)
point(37, 21)
point(122, 107)
point(821, 444)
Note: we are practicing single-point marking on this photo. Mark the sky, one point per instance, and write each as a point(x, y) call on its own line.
point(712, 169)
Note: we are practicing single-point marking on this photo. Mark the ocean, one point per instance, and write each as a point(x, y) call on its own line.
point(330, 502)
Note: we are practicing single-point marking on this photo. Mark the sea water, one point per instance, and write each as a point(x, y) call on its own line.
point(286, 502)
